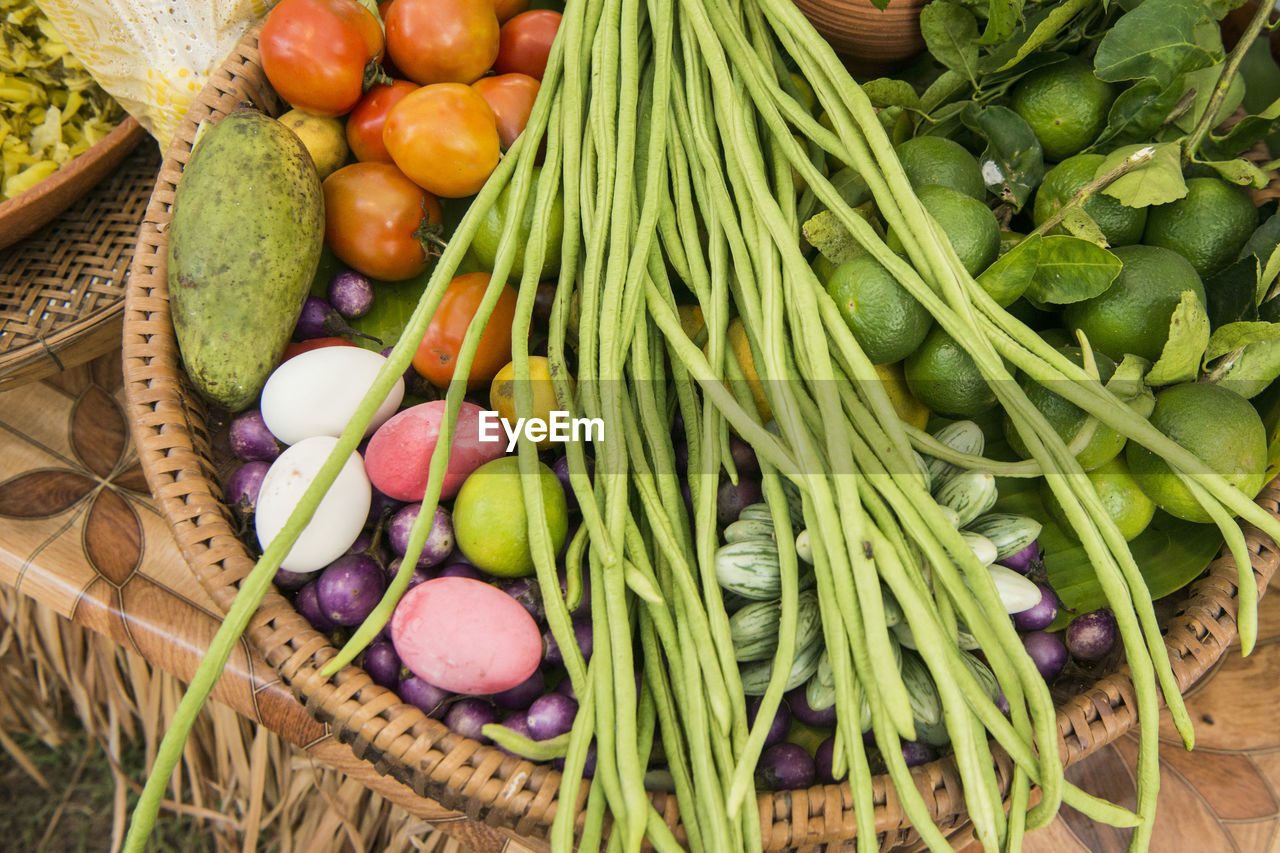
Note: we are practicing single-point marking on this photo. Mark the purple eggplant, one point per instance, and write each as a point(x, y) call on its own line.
point(551, 716)
point(781, 720)
point(785, 767)
point(244, 485)
point(309, 606)
point(349, 588)
point(439, 544)
point(1041, 615)
point(1047, 651)
point(469, 715)
point(582, 632)
point(523, 694)
point(350, 294)
point(382, 663)
point(1090, 636)
point(426, 697)
point(250, 439)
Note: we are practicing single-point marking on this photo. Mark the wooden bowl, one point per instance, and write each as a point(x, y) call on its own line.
point(869, 40)
point(21, 215)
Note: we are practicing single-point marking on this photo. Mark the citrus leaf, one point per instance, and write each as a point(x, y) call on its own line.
point(1234, 336)
point(1156, 39)
point(1170, 554)
point(951, 33)
point(1255, 369)
point(1188, 337)
point(1243, 134)
point(1231, 293)
point(1071, 270)
point(1013, 162)
point(1081, 224)
point(1157, 181)
point(1046, 29)
point(1241, 172)
point(1002, 17)
point(1204, 80)
point(887, 92)
point(1128, 383)
point(1011, 274)
point(940, 91)
point(1138, 111)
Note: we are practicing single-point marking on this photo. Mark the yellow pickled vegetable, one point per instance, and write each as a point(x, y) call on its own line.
point(50, 108)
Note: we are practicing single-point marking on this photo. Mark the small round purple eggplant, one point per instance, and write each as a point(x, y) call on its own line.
point(250, 439)
point(460, 570)
point(426, 697)
point(245, 483)
point(561, 469)
point(519, 724)
point(915, 753)
point(469, 715)
point(824, 761)
point(582, 632)
point(287, 581)
point(439, 544)
point(309, 606)
point(551, 716)
point(781, 720)
point(798, 701)
point(1090, 636)
point(1022, 561)
point(1041, 615)
point(785, 767)
point(1047, 651)
point(350, 294)
point(349, 588)
point(731, 499)
point(523, 694)
point(527, 592)
point(382, 663)
point(744, 457)
point(380, 505)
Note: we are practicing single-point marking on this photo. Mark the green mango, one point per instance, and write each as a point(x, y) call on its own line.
point(245, 238)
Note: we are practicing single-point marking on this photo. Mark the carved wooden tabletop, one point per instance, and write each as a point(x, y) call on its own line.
point(79, 533)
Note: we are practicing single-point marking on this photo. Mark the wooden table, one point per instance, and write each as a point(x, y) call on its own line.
point(78, 532)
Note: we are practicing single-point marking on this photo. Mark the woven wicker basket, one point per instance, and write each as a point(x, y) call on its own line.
point(177, 446)
point(62, 288)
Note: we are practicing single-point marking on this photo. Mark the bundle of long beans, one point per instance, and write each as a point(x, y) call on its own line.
point(671, 140)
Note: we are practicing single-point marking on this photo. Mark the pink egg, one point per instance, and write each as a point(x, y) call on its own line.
point(399, 453)
point(465, 636)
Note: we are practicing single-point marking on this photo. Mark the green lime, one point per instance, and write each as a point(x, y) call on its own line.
point(943, 377)
point(822, 267)
point(1120, 224)
point(886, 320)
point(1067, 418)
point(970, 226)
point(1065, 104)
point(490, 524)
point(1126, 504)
point(1220, 427)
point(1132, 316)
point(1208, 226)
point(485, 243)
point(938, 160)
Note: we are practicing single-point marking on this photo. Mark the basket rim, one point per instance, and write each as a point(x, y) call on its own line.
point(172, 436)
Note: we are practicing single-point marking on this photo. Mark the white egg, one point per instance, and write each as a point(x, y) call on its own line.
point(317, 392)
point(338, 519)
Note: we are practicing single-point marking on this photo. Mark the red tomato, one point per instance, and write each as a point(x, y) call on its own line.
point(299, 347)
point(372, 220)
point(508, 9)
point(442, 41)
point(445, 138)
point(315, 52)
point(364, 125)
point(525, 42)
point(510, 96)
point(383, 8)
point(438, 352)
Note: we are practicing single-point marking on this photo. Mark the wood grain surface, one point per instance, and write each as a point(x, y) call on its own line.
point(79, 533)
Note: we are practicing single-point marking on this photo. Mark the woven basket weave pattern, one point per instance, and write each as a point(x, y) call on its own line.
point(62, 289)
point(176, 445)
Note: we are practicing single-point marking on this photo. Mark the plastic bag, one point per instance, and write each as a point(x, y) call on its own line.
point(153, 56)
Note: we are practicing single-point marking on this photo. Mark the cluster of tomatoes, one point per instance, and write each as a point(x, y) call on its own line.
point(432, 94)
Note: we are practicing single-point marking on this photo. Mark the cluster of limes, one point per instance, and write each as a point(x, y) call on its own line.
point(1166, 251)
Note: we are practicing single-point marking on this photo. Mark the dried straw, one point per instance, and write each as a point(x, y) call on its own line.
point(248, 787)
